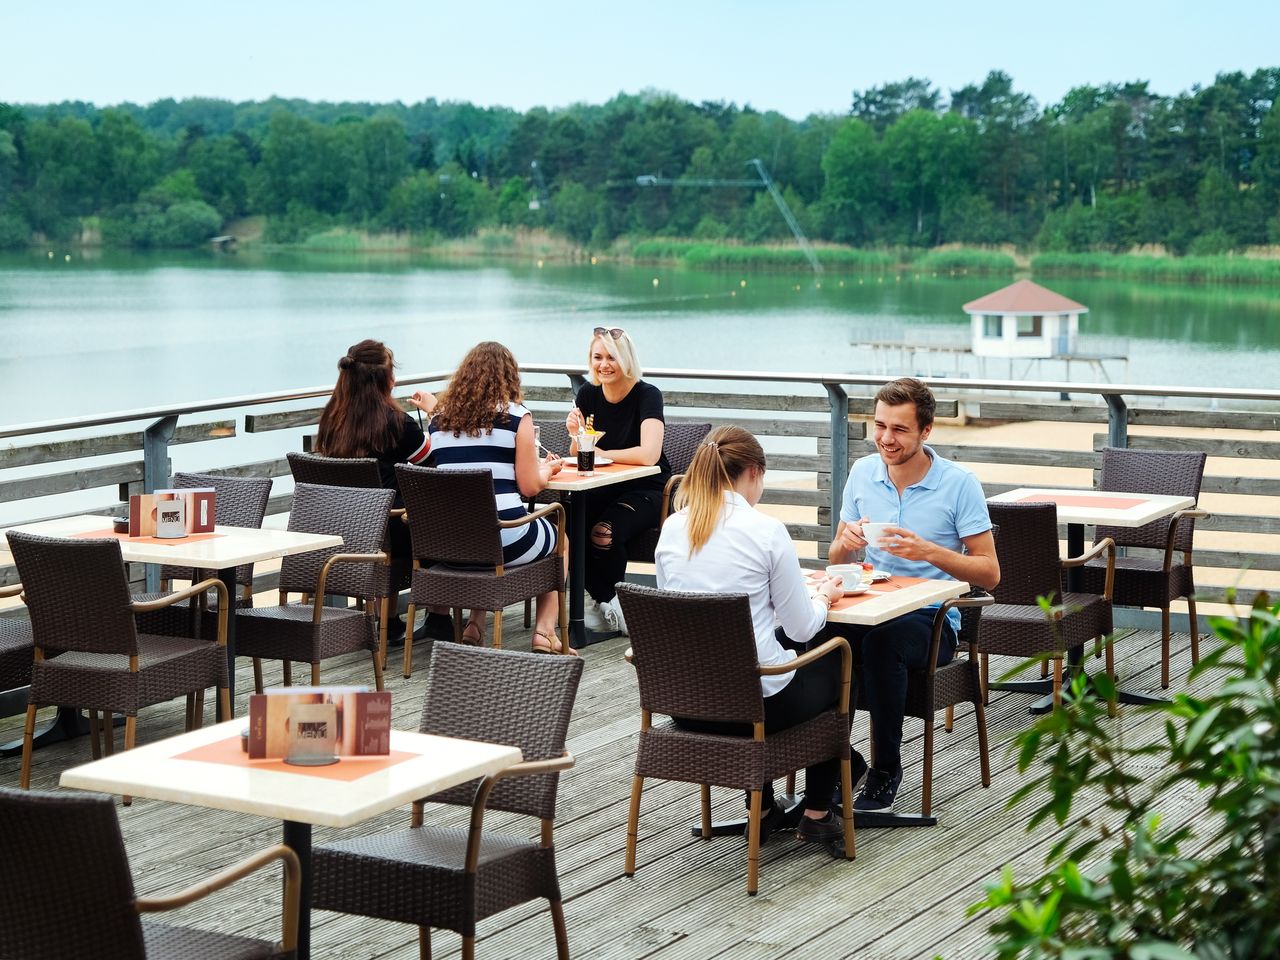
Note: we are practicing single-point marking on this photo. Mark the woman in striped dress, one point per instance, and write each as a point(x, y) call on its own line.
point(481, 423)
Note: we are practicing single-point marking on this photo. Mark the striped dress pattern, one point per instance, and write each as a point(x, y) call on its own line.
point(495, 451)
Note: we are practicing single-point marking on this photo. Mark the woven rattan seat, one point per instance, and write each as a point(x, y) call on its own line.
point(695, 658)
point(1030, 568)
point(1153, 580)
point(239, 502)
point(311, 632)
point(78, 597)
point(70, 844)
point(453, 877)
point(457, 549)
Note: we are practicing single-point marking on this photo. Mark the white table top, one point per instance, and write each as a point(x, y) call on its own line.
point(1100, 506)
point(568, 478)
point(883, 602)
point(152, 771)
point(237, 545)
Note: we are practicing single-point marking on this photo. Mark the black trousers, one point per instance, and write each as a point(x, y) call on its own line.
point(628, 513)
point(882, 657)
point(813, 689)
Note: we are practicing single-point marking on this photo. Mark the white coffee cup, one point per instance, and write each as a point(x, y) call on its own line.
point(873, 533)
point(850, 573)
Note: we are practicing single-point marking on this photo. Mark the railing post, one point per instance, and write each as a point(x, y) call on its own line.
point(155, 472)
point(1117, 421)
point(839, 401)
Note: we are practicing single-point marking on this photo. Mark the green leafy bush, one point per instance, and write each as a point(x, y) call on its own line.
point(1124, 882)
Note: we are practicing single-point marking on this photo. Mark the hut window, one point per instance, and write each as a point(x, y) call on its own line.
point(1030, 326)
point(991, 326)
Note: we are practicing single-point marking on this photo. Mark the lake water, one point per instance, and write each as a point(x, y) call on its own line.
point(120, 331)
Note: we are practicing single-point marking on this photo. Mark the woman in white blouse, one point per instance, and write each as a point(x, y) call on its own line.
point(717, 542)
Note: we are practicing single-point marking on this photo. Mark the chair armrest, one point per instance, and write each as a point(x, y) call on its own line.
point(194, 590)
point(1191, 513)
point(974, 598)
point(381, 557)
point(809, 656)
point(398, 513)
point(525, 768)
point(1105, 544)
point(292, 889)
point(543, 511)
point(668, 492)
point(12, 590)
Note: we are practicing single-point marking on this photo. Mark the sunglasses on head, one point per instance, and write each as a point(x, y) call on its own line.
point(616, 332)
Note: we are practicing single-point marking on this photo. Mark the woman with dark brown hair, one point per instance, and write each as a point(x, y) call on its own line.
point(482, 423)
point(717, 542)
point(362, 419)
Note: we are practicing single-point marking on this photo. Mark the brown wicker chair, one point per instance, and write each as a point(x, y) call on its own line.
point(679, 442)
point(942, 688)
point(78, 597)
point(310, 632)
point(357, 472)
point(1030, 568)
point(453, 877)
point(1145, 580)
point(76, 895)
point(457, 549)
point(240, 502)
point(16, 646)
point(695, 658)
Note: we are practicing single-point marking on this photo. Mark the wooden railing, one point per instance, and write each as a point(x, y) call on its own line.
point(813, 426)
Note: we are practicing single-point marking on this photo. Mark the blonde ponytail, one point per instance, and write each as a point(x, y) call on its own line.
point(716, 467)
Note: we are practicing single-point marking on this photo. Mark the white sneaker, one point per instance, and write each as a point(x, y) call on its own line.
point(592, 617)
point(612, 611)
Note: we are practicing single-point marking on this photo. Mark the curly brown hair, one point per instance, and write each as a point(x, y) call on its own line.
point(486, 380)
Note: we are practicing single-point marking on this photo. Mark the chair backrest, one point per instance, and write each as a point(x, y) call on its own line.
point(1176, 473)
point(502, 696)
point(239, 502)
point(359, 517)
point(554, 436)
point(76, 593)
point(334, 471)
point(1027, 548)
point(694, 653)
point(70, 893)
point(680, 442)
point(453, 515)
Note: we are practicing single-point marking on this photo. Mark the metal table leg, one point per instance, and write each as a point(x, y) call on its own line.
point(228, 578)
point(297, 836)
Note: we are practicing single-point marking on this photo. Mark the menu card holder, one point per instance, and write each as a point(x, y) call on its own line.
point(312, 734)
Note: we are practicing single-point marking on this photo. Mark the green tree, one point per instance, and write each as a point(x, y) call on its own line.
point(930, 160)
point(852, 183)
point(221, 167)
point(880, 107)
point(577, 211)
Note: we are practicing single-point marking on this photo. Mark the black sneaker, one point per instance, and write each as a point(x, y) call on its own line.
point(435, 626)
point(826, 830)
point(879, 791)
point(858, 767)
point(395, 632)
point(776, 818)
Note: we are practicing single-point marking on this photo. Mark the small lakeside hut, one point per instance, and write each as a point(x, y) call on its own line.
point(1024, 320)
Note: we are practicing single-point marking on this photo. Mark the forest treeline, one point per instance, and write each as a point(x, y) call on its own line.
point(1107, 169)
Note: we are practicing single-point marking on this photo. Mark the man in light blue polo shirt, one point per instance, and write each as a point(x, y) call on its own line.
point(939, 529)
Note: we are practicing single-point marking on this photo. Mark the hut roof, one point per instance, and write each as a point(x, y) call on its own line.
point(1024, 297)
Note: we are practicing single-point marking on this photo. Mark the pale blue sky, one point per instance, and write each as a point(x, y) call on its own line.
point(795, 56)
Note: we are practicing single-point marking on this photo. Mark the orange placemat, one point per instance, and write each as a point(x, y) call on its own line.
point(158, 541)
point(876, 589)
point(573, 476)
point(347, 768)
point(1073, 500)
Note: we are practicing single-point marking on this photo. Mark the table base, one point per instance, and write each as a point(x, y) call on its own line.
point(66, 724)
point(1045, 688)
point(791, 806)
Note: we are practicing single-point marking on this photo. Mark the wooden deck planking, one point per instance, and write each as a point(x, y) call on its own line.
point(904, 895)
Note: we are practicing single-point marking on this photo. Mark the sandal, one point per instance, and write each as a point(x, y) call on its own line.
point(473, 634)
point(549, 643)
